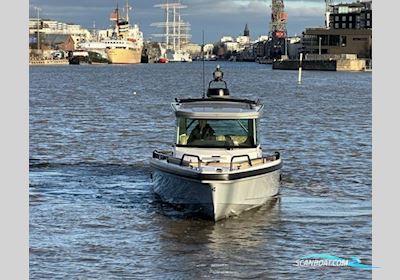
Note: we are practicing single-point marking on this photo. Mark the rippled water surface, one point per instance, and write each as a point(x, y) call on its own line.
point(93, 214)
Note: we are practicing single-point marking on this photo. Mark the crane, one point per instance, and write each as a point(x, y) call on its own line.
point(278, 32)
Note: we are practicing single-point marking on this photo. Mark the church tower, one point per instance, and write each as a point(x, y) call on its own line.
point(246, 31)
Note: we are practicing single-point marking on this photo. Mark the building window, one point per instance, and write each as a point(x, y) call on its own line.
point(324, 40)
point(350, 18)
point(334, 40)
point(350, 25)
point(368, 23)
point(343, 18)
point(336, 18)
point(343, 25)
point(368, 15)
point(336, 25)
point(343, 41)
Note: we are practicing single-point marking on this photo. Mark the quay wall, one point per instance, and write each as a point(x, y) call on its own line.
point(48, 61)
point(350, 65)
point(322, 65)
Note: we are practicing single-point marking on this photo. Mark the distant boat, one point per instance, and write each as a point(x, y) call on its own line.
point(212, 57)
point(78, 57)
point(97, 58)
point(178, 56)
point(162, 60)
point(96, 50)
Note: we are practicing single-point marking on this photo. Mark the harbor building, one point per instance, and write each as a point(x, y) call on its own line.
point(356, 15)
point(348, 30)
point(230, 47)
point(47, 26)
point(244, 40)
point(47, 35)
point(344, 44)
point(338, 41)
point(192, 48)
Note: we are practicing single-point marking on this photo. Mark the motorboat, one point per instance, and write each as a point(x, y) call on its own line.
point(78, 57)
point(216, 166)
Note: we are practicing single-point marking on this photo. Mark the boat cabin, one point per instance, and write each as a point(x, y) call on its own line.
point(217, 123)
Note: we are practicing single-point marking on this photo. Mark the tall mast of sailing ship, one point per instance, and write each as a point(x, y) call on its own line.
point(116, 23)
point(175, 30)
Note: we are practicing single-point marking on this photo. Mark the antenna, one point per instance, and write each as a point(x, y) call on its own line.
point(204, 78)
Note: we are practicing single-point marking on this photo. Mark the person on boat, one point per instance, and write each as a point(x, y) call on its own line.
point(202, 131)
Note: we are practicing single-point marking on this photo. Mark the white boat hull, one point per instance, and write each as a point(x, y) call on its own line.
point(216, 199)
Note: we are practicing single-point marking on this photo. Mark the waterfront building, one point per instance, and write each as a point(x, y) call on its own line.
point(192, 48)
point(226, 39)
point(338, 41)
point(260, 48)
point(357, 15)
point(294, 47)
point(53, 35)
point(243, 40)
point(231, 46)
point(348, 30)
point(208, 49)
point(262, 38)
point(47, 26)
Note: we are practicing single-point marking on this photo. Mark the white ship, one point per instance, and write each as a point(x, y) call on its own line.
point(216, 167)
point(177, 56)
point(121, 45)
point(126, 43)
point(96, 47)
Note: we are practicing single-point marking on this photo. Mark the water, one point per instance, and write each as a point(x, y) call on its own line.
point(92, 212)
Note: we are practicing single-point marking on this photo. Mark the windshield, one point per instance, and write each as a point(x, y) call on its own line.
point(216, 133)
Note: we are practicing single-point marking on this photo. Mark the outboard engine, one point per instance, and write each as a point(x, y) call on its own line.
point(219, 88)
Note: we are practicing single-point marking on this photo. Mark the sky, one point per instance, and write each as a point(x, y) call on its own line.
point(216, 17)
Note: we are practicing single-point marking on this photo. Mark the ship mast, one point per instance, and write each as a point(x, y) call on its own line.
point(176, 31)
point(127, 11)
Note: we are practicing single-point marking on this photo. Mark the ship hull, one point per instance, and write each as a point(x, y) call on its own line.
point(79, 60)
point(216, 199)
point(124, 56)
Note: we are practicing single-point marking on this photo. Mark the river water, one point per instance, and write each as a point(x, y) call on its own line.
point(92, 212)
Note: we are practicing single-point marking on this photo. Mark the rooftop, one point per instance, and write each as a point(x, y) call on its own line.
point(217, 108)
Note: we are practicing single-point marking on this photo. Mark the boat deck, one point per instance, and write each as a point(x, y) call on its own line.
point(193, 161)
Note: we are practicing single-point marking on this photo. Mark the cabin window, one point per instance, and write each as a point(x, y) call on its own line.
point(216, 133)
